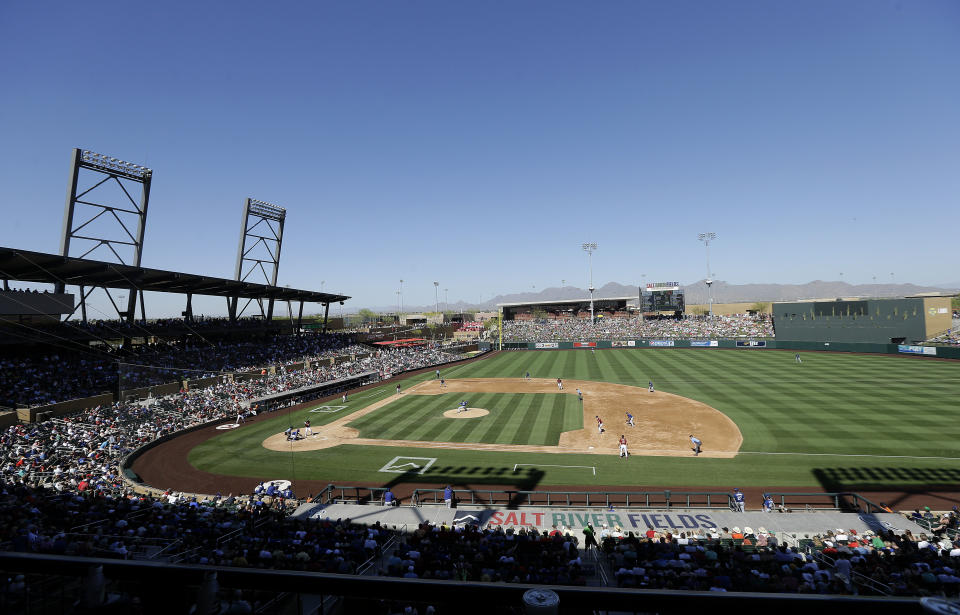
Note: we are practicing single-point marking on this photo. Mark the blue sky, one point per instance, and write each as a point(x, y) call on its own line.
point(479, 144)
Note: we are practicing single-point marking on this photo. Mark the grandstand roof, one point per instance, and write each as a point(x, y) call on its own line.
point(27, 266)
point(567, 301)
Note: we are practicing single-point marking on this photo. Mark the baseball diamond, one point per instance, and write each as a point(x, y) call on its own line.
point(836, 422)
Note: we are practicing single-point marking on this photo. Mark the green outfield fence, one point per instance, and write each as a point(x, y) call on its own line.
point(944, 352)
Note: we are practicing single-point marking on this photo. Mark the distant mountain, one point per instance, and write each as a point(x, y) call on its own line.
point(697, 293)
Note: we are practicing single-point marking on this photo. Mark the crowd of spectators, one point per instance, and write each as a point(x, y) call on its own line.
point(634, 327)
point(469, 553)
point(835, 562)
point(951, 337)
point(36, 379)
point(82, 450)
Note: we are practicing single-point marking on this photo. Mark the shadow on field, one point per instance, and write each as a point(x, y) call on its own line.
point(897, 483)
point(506, 484)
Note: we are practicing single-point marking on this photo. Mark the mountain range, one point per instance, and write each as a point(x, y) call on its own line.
point(696, 292)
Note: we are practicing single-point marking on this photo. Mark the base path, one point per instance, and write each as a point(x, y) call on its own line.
point(663, 421)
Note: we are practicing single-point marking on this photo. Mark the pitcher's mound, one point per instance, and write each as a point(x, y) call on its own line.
point(471, 413)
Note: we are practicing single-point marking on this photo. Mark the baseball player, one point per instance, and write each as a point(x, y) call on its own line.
point(650, 386)
point(559, 384)
point(438, 374)
point(443, 383)
point(579, 394)
point(623, 447)
point(527, 376)
point(796, 357)
point(306, 428)
point(463, 407)
point(398, 389)
point(344, 398)
point(738, 501)
point(599, 424)
point(630, 420)
point(696, 444)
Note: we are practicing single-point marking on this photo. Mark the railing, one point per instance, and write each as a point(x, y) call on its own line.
point(856, 578)
point(826, 501)
point(708, 500)
point(145, 579)
point(331, 494)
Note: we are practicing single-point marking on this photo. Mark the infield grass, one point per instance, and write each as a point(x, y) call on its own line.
point(838, 421)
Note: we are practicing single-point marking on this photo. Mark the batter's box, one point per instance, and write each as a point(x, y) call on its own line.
point(327, 409)
point(402, 465)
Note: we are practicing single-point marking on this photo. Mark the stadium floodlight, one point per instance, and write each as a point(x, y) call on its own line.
point(706, 238)
point(589, 248)
point(111, 165)
point(267, 210)
point(436, 296)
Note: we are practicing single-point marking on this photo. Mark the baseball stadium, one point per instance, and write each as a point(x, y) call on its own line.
point(397, 390)
point(580, 453)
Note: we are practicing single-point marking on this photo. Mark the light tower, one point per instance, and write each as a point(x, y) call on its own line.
point(589, 248)
point(436, 296)
point(706, 238)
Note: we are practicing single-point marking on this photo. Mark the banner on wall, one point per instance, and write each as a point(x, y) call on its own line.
point(623, 343)
point(751, 344)
point(546, 345)
point(663, 343)
point(928, 350)
point(704, 343)
point(584, 344)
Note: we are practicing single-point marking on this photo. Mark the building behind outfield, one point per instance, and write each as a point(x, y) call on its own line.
point(879, 321)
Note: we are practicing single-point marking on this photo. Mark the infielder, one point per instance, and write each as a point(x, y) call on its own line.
point(630, 420)
point(579, 394)
point(599, 425)
point(696, 444)
point(463, 407)
point(623, 447)
point(559, 384)
point(398, 389)
point(650, 386)
point(443, 383)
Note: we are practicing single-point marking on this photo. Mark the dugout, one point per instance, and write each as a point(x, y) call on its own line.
point(269, 403)
point(878, 321)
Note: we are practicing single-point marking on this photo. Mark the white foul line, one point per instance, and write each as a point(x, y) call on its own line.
point(548, 465)
point(849, 455)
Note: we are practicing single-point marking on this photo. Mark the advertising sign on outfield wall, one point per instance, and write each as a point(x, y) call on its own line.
point(661, 342)
point(546, 345)
point(623, 343)
point(704, 343)
point(584, 344)
point(932, 350)
point(751, 344)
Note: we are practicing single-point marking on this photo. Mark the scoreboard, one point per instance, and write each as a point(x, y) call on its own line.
point(662, 297)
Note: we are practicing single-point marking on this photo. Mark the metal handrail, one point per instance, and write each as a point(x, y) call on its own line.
point(570, 499)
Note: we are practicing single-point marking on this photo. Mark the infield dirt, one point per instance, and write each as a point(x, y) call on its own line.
point(663, 421)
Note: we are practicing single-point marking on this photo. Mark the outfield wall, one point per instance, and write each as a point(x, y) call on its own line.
point(762, 344)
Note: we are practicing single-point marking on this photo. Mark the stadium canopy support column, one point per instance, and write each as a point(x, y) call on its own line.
point(189, 312)
point(300, 317)
point(326, 312)
point(6, 284)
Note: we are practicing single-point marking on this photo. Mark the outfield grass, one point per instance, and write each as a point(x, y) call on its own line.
point(515, 418)
point(836, 420)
